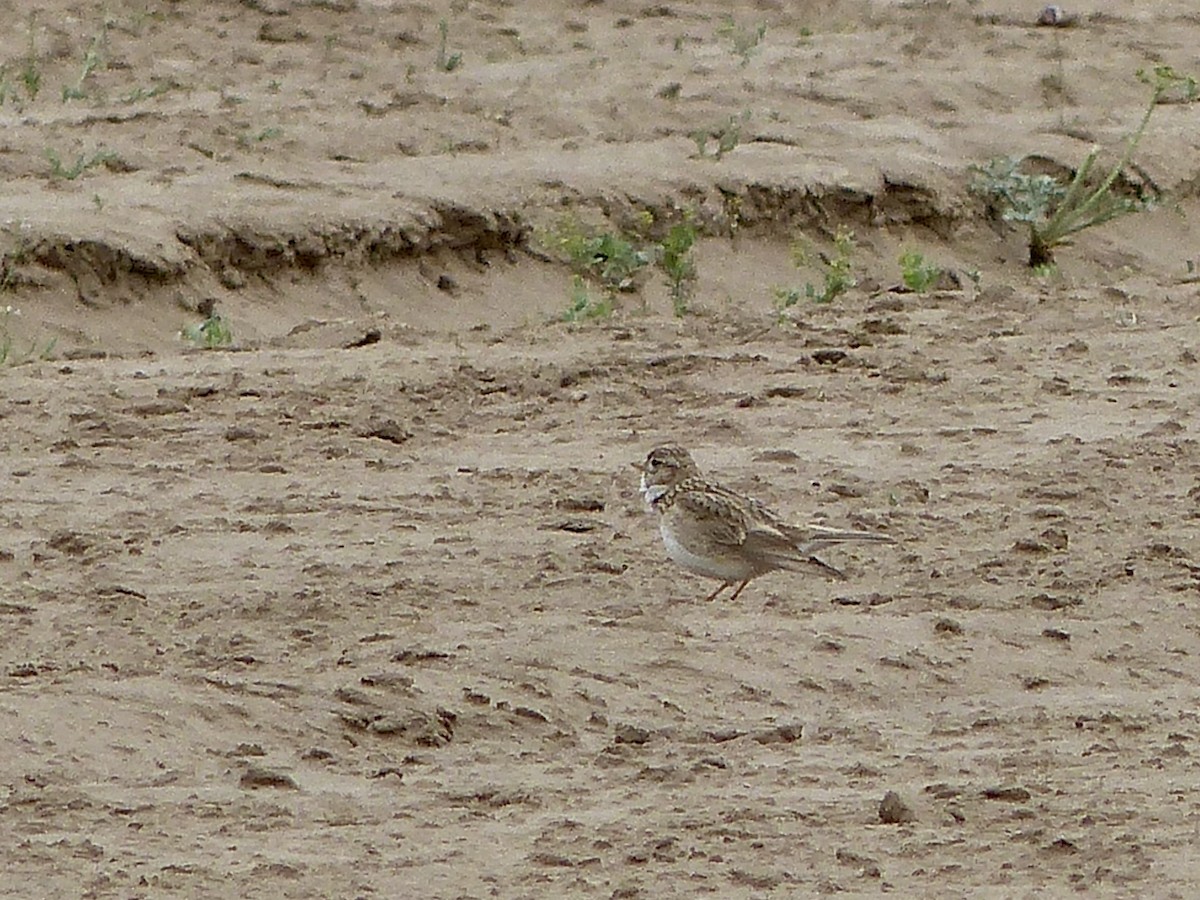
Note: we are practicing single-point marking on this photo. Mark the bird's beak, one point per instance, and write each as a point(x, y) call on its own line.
point(638, 466)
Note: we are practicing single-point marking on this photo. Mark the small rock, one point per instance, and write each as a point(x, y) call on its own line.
point(631, 734)
point(275, 31)
point(231, 278)
point(828, 357)
point(894, 811)
point(243, 433)
point(1053, 17)
point(369, 337)
point(1052, 603)
point(1007, 793)
point(780, 734)
point(1031, 545)
point(947, 626)
point(1056, 538)
point(260, 777)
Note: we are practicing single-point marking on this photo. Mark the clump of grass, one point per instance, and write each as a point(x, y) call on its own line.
point(611, 259)
point(446, 61)
point(26, 79)
point(93, 59)
point(1052, 211)
point(252, 138)
point(158, 89)
point(677, 260)
point(9, 352)
point(584, 305)
point(30, 74)
point(917, 273)
point(211, 333)
point(836, 271)
point(726, 137)
point(606, 262)
point(610, 263)
point(745, 39)
point(82, 163)
point(10, 263)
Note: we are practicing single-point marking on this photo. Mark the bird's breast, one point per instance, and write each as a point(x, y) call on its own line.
point(707, 561)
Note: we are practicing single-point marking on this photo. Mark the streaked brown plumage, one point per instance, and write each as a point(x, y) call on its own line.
point(718, 533)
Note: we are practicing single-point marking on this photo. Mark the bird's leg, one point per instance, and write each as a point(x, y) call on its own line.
point(720, 587)
point(740, 588)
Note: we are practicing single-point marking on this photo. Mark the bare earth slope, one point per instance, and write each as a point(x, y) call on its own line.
point(366, 606)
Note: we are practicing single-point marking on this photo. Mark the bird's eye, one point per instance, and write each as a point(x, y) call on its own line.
point(655, 462)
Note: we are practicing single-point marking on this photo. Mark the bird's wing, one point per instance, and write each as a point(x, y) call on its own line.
point(720, 519)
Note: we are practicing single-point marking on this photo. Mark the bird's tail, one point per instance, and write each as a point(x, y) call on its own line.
point(812, 538)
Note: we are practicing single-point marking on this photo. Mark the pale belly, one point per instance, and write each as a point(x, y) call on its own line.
point(727, 569)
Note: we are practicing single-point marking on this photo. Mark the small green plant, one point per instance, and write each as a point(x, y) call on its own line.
point(610, 258)
point(9, 355)
point(446, 61)
point(918, 274)
point(583, 305)
point(727, 137)
point(93, 59)
point(82, 163)
point(211, 333)
point(745, 39)
point(251, 138)
point(1054, 212)
point(30, 75)
point(10, 263)
point(677, 259)
point(837, 274)
point(155, 90)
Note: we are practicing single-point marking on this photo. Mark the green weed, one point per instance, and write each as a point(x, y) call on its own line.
point(446, 61)
point(745, 39)
point(727, 136)
point(677, 259)
point(211, 333)
point(611, 262)
point(610, 258)
point(29, 74)
point(82, 163)
point(93, 59)
point(583, 305)
point(836, 270)
point(9, 353)
point(918, 274)
point(251, 138)
point(156, 90)
point(1052, 211)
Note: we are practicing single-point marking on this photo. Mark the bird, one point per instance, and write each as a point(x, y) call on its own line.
point(714, 531)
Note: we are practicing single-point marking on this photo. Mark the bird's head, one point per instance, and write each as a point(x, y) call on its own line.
point(663, 468)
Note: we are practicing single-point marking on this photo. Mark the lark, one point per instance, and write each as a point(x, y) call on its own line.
point(718, 533)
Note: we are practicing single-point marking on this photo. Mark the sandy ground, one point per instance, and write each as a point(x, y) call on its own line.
point(325, 615)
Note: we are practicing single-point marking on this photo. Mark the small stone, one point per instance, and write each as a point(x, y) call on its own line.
point(631, 734)
point(780, 734)
point(894, 811)
point(1007, 793)
point(260, 777)
point(947, 626)
point(828, 357)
